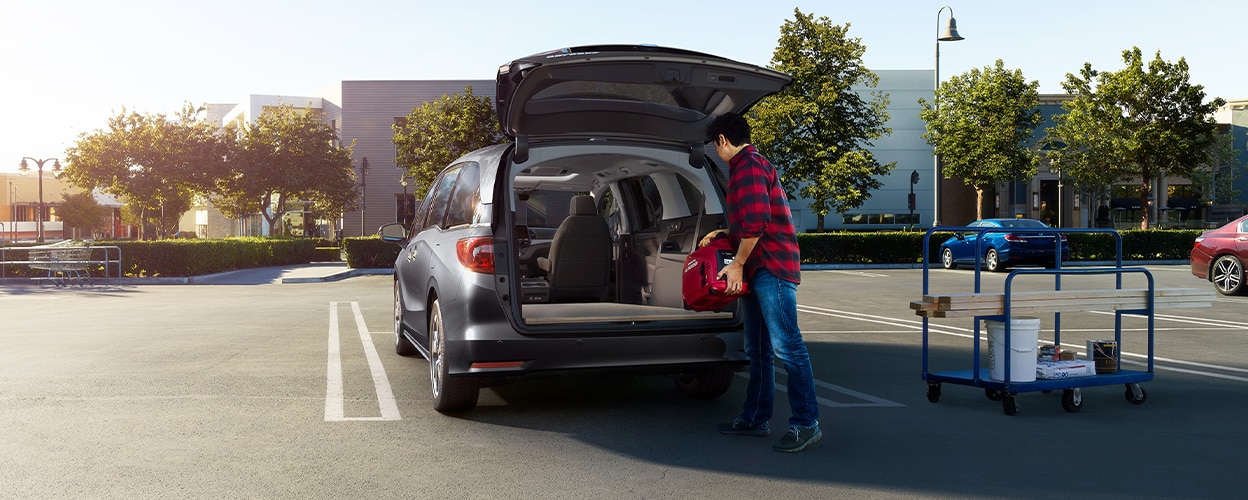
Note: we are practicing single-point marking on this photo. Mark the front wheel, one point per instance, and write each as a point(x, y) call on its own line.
point(946, 259)
point(450, 395)
point(1072, 400)
point(1228, 275)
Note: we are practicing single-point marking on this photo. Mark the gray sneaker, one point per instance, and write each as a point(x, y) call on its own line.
point(797, 439)
point(738, 428)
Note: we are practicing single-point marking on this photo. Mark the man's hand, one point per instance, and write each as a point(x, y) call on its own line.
point(733, 274)
point(706, 240)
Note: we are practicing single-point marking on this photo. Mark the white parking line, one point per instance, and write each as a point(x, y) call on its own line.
point(333, 372)
point(1159, 362)
point(871, 401)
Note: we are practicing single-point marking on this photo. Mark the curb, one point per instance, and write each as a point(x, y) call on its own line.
point(350, 273)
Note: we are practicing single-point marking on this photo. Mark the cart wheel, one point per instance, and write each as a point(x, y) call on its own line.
point(1009, 404)
point(1136, 394)
point(993, 394)
point(933, 391)
point(1072, 400)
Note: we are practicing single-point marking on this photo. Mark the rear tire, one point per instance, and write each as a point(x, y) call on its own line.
point(709, 384)
point(992, 261)
point(1227, 275)
point(402, 346)
point(450, 395)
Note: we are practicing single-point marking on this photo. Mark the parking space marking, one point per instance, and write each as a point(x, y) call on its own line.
point(871, 401)
point(1160, 363)
point(333, 373)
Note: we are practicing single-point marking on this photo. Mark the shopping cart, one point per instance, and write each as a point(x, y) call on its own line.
point(66, 263)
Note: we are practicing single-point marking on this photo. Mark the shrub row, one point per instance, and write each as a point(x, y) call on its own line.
point(194, 257)
point(907, 247)
point(370, 252)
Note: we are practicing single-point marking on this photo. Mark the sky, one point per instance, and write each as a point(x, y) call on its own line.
point(66, 67)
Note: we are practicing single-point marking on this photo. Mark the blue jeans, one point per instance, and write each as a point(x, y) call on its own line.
point(771, 332)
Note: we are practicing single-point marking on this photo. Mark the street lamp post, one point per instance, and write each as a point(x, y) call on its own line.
point(949, 33)
point(363, 192)
point(403, 180)
point(12, 212)
point(25, 169)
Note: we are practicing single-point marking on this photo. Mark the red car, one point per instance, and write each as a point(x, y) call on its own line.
point(1219, 256)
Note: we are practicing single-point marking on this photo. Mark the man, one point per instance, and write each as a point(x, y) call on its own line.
point(761, 226)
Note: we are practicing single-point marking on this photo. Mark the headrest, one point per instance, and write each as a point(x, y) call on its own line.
point(583, 204)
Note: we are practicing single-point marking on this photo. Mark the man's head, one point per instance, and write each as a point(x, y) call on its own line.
point(730, 132)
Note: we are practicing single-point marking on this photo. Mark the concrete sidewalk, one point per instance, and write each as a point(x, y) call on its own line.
point(316, 272)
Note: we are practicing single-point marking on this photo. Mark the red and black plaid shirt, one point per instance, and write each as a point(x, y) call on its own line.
point(759, 208)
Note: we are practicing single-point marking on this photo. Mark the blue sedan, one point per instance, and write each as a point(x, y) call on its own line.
point(1001, 249)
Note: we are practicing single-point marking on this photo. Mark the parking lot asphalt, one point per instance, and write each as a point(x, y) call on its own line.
point(225, 392)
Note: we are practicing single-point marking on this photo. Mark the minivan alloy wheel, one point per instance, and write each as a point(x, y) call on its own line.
point(450, 395)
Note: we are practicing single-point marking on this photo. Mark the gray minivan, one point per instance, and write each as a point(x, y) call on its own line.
point(562, 251)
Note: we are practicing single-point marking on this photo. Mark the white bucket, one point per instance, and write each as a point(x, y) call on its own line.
point(1024, 333)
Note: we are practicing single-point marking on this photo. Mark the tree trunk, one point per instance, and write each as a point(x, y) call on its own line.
point(1145, 190)
point(979, 202)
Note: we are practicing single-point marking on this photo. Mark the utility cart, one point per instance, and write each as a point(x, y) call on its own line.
point(1009, 304)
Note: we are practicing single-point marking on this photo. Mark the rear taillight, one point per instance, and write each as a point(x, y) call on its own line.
point(476, 254)
point(1062, 236)
point(1011, 237)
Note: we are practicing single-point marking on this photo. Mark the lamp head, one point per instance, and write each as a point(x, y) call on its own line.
point(24, 168)
point(950, 33)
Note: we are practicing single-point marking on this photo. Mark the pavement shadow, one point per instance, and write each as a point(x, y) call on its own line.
point(963, 446)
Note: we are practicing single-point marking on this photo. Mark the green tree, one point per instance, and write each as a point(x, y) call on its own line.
point(152, 163)
point(1215, 181)
point(982, 127)
point(818, 130)
point(437, 132)
point(80, 212)
point(286, 155)
point(1134, 125)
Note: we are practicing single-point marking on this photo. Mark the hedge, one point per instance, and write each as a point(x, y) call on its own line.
point(194, 257)
point(906, 247)
point(370, 252)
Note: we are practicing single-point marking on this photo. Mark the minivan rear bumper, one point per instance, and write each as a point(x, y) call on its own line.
point(674, 353)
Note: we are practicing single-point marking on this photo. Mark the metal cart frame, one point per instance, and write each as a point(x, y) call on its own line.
point(1006, 390)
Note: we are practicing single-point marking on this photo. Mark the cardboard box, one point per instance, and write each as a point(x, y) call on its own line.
point(1065, 369)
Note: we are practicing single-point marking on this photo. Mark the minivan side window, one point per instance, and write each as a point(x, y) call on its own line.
point(463, 202)
point(440, 196)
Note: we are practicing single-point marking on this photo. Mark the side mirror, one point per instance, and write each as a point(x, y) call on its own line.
point(393, 233)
